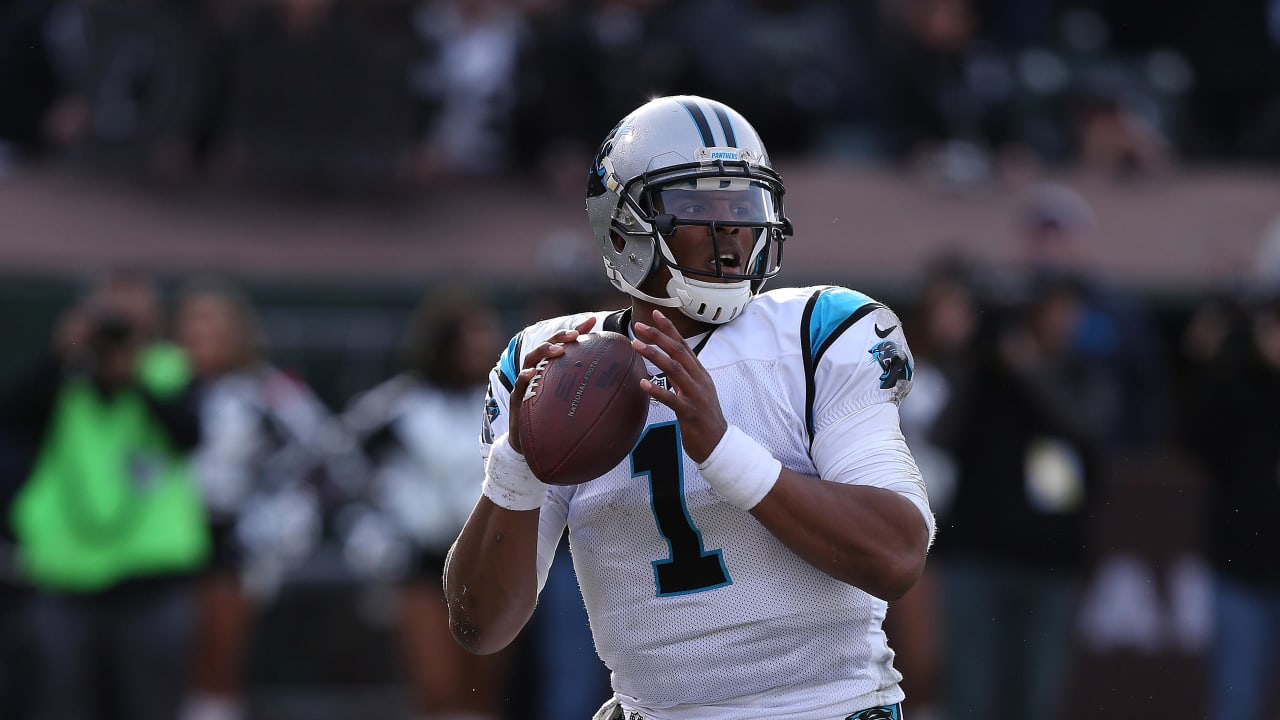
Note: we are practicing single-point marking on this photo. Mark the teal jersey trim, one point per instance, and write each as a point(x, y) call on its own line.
point(507, 363)
point(828, 313)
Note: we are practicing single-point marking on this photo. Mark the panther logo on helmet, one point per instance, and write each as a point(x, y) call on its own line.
point(599, 169)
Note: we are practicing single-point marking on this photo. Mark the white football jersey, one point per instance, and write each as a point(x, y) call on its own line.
point(698, 610)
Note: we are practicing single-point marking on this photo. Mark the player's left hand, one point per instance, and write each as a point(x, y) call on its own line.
point(693, 393)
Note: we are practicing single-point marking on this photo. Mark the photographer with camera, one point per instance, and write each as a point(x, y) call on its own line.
point(108, 524)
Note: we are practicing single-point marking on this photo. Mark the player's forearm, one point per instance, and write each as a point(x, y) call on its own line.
point(868, 537)
point(490, 580)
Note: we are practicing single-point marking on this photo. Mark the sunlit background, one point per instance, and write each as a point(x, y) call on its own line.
point(342, 160)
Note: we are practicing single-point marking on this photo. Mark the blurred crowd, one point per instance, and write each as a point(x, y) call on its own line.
point(163, 482)
point(363, 95)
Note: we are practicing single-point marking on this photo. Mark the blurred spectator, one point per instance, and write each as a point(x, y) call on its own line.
point(1117, 104)
point(109, 523)
point(945, 321)
point(1234, 51)
point(1112, 136)
point(799, 70)
point(466, 80)
point(318, 97)
point(570, 94)
point(266, 439)
point(945, 97)
point(44, 59)
point(942, 327)
point(1025, 427)
point(1057, 228)
point(1018, 24)
point(970, 90)
point(15, 464)
point(1232, 355)
point(148, 87)
point(421, 432)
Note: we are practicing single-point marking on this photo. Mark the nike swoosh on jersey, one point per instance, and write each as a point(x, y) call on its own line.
point(885, 333)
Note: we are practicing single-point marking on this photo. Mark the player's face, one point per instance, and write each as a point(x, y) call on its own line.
point(721, 238)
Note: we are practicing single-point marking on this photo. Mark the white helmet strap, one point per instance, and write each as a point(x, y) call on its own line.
point(634, 291)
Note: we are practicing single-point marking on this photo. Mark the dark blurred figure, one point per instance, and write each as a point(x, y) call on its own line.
point(798, 70)
point(15, 592)
point(1025, 427)
point(319, 98)
point(945, 323)
point(1057, 227)
point(1018, 24)
point(1231, 350)
point(266, 439)
point(153, 88)
point(570, 94)
point(1110, 135)
point(43, 76)
point(109, 523)
point(465, 83)
point(420, 431)
point(135, 88)
point(1233, 112)
point(942, 326)
point(945, 97)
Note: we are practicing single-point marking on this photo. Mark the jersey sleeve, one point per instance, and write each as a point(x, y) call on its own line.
point(859, 369)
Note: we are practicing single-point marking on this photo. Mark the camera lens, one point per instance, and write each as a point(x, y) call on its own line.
point(111, 330)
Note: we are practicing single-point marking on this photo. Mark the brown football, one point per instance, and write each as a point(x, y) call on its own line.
point(586, 410)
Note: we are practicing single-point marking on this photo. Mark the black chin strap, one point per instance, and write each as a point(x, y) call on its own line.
point(619, 322)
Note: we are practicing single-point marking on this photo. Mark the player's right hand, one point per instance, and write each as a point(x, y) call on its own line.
point(553, 347)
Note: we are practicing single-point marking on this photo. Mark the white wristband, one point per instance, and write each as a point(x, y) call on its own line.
point(740, 469)
point(508, 481)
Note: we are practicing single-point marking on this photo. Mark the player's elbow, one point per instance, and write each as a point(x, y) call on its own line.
point(893, 572)
point(477, 638)
point(483, 630)
point(472, 639)
point(900, 575)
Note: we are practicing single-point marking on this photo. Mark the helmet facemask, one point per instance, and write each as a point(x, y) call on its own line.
point(639, 220)
point(727, 198)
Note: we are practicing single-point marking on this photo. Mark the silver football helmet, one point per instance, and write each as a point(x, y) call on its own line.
point(686, 161)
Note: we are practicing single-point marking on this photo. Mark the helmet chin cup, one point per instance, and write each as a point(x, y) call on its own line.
point(714, 303)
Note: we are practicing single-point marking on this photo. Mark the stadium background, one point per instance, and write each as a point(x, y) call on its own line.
point(325, 153)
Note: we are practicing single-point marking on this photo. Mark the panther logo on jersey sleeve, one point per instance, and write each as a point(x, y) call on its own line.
point(861, 345)
point(491, 411)
point(884, 712)
point(894, 364)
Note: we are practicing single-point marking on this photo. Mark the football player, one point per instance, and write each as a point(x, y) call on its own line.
point(739, 562)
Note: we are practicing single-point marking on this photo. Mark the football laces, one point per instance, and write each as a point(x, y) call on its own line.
point(532, 390)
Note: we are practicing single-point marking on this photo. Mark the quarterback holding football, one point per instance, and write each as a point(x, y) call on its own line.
point(738, 561)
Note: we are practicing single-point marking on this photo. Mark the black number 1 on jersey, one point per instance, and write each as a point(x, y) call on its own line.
point(689, 568)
